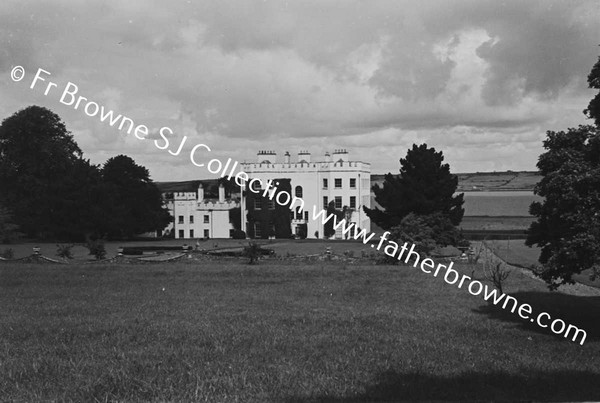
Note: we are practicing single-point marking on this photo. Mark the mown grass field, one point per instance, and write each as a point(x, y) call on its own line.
point(517, 253)
point(281, 331)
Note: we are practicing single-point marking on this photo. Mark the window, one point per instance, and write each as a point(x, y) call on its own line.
point(191, 233)
point(299, 191)
point(338, 183)
point(257, 230)
point(258, 204)
point(181, 234)
point(298, 213)
point(325, 202)
point(206, 233)
point(338, 201)
point(271, 204)
point(271, 229)
point(191, 220)
point(352, 201)
point(325, 183)
point(306, 216)
point(256, 185)
point(180, 219)
point(206, 218)
point(352, 183)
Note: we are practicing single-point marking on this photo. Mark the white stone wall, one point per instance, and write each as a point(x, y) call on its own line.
point(186, 205)
point(310, 175)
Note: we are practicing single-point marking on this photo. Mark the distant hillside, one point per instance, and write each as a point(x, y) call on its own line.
point(488, 181)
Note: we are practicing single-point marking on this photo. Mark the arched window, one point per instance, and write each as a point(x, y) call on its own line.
point(299, 191)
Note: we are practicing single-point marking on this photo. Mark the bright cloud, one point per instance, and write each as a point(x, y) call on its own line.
point(480, 80)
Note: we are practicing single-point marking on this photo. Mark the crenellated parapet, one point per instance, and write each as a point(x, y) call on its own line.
point(217, 205)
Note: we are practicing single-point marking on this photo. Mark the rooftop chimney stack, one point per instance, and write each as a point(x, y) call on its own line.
point(221, 193)
point(200, 192)
point(327, 156)
point(304, 156)
point(340, 154)
point(286, 157)
point(268, 155)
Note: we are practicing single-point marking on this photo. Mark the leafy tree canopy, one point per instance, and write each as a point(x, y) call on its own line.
point(136, 202)
point(339, 215)
point(593, 109)
point(37, 153)
point(424, 186)
point(568, 220)
point(8, 229)
point(53, 192)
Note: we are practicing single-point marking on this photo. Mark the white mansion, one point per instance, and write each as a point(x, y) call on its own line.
point(317, 181)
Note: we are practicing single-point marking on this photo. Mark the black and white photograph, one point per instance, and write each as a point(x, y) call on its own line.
point(299, 201)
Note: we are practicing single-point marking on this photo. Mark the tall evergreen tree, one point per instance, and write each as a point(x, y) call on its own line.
point(425, 186)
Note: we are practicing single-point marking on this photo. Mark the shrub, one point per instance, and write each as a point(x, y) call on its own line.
point(463, 242)
point(8, 253)
point(497, 275)
point(252, 251)
point(64, 251)
point(302, 231)
point(415, 230)
point(493, 270)
point(8, 230)
point(97, 248)
point(238, 234)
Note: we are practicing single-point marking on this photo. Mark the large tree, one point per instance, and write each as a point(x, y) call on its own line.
point(424, 186)
point(328, 230)
point(568, 220)
point(8, 229)
point(87, 201)
point(274, 218)
point(37, 154)
point(135, 200)
point(593, 109)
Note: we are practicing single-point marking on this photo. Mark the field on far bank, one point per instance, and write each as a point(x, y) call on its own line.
point(218, 331)
point(484, 181)
point(486, 223)
point(507, 180)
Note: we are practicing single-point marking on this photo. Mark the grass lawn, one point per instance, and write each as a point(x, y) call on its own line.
point(517, 253)
point(226, 331)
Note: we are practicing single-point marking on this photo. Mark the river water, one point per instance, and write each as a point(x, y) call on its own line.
point(508, 203)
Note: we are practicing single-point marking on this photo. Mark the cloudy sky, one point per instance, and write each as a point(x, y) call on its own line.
point(480, 80)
